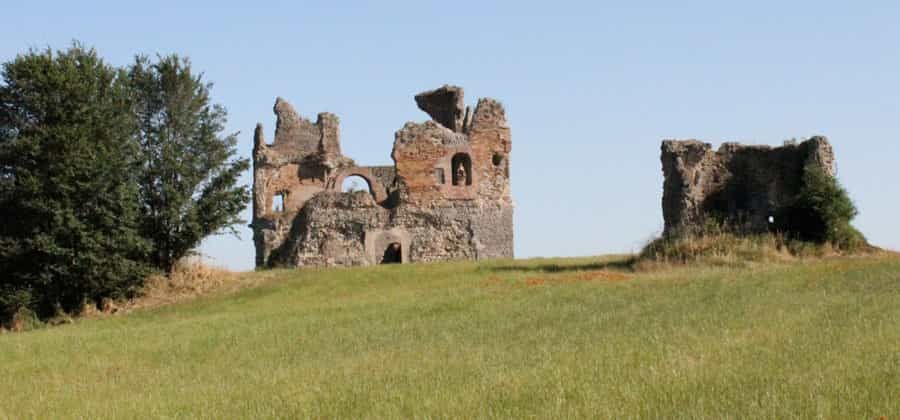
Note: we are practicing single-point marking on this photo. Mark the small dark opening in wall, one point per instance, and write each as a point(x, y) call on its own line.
point(278, 202)
point(461, 166)
point(392, 200)
point(497, 159)
point(439, 175)
point(393, 254)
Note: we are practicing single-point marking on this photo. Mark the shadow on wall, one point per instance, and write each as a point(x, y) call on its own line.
point(762, 183)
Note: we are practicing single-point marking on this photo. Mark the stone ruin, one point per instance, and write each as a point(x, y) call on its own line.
point(746, 187)
point(447, 196)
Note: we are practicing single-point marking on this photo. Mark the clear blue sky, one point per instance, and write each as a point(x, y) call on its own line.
point(590, 88)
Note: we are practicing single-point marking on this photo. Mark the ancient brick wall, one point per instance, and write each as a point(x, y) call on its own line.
point(446, 197)
point(742, 186)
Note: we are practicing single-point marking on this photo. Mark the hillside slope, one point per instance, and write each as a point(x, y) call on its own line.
point(547, 337)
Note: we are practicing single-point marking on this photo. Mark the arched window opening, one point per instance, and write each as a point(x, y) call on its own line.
point(461, 165)
point(278, 202)
point(392, 254)
point(354, 183)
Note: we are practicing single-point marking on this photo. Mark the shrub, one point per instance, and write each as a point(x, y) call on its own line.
point(821, 213)
point(13, 303)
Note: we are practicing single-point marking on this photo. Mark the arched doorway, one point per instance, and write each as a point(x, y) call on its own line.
point(393, 254)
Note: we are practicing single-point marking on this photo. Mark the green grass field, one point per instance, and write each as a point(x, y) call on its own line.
point(555, 338)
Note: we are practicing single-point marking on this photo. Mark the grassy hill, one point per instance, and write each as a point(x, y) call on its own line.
point(545, 337)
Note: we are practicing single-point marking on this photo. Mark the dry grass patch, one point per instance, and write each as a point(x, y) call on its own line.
point(189, 280)
point(601, 275)
point(724, 248)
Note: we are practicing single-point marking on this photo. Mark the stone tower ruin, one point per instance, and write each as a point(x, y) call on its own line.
point(447, 196)
point(746, 187)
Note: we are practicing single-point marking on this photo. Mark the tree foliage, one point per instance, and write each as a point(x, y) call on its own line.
point(68, 196)
point(105, 175)
point(188, 173)
point(822, 212)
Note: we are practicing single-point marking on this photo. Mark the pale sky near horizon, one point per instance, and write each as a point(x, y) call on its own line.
point(590, 88)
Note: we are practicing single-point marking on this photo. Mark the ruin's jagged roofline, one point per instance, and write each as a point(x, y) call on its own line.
point(725, 145)
point(445, 106)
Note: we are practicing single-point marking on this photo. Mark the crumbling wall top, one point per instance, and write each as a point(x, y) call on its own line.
point(297, 138)
point(445, 105)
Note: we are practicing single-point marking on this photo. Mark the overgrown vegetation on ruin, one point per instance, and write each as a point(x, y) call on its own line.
point(566, 338)
point(821, 213)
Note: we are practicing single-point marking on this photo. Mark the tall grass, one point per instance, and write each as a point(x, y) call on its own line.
point(558, 338)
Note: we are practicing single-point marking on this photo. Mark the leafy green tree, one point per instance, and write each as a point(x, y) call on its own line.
point(188, 179)
point(822, 212)
point(68, 195)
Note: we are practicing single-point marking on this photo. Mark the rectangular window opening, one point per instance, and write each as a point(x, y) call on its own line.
point(278, 203)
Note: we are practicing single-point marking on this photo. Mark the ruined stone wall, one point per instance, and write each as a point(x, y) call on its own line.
point(424, 153)
point(418, 205)
point(743, 186)
point(293, 169)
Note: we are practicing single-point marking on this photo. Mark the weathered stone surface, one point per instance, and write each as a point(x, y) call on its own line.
point(745, 186)
point(444, 105)
point(421, 209)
